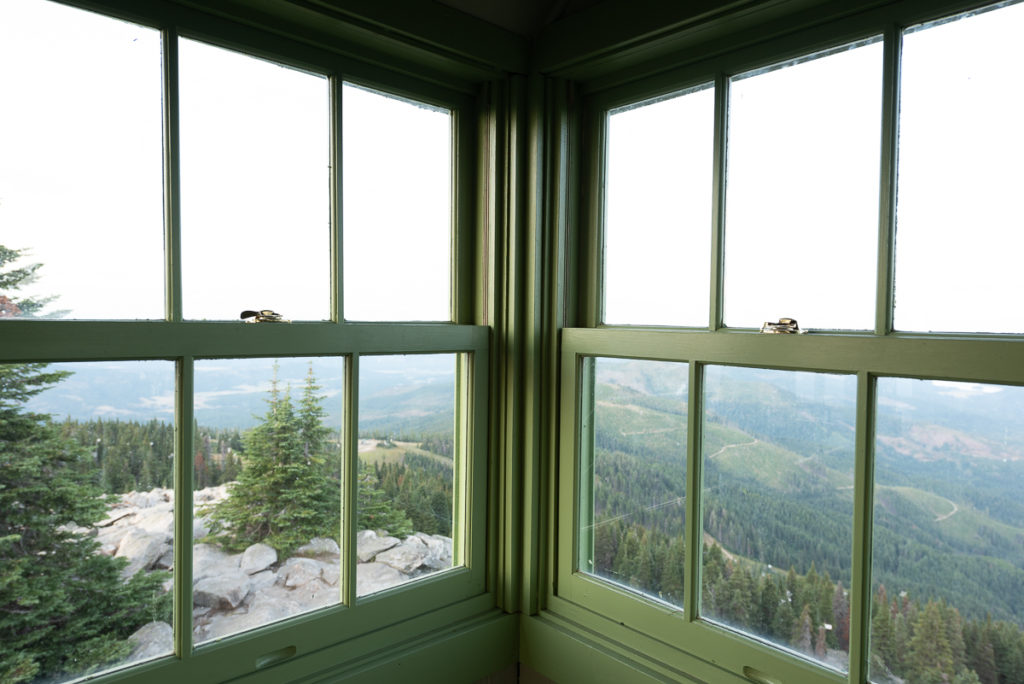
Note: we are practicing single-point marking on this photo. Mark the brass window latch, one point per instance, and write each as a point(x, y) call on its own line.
point(784, 326)
point(263, 316)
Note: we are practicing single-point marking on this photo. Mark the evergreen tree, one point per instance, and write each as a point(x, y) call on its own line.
point(802, 634)
point(673, 572)
point(14, 279)
point(312, 430)
point(931, 659)
point(881, 632)
point(281, 497)
point(981, 657)
point(64, 608)
point(375, 510)
point(841, 618)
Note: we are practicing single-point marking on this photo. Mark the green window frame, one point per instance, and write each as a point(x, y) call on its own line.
point(675, 638)
point(417, 607)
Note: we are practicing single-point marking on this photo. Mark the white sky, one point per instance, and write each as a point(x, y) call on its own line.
point(802, 191)
point(81, 185)
point(81, 178)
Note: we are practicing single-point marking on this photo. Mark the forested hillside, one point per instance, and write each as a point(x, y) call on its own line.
point(778, 508)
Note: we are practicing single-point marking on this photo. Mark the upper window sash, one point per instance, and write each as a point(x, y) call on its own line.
point(881, 243)
point(262, 272)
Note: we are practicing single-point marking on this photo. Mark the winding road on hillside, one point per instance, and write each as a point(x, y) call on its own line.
point(733, 446)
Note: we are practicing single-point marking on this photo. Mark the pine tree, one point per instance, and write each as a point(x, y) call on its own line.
point(841, 617)
point(281, 497)
point(14, 279)
point(931, 659)
point(802, 634)
point(64, 608)
point(673, 578)
point(375, 510)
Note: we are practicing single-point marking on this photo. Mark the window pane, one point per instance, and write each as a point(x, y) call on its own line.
point(634, 475)
point(86, 517)
point(267, 457)
point(397, 208)
point(947, 552)
point(658, 212)
point(80, 164)
point(959, 222)
point(802, 192)
point(255, 186)
point(406, 468)
point(778, 453)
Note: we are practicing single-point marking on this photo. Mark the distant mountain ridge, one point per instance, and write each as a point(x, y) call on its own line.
point(231, 393)
point(778, 474)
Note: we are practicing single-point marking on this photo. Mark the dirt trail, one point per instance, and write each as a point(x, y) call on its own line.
point(733, 446)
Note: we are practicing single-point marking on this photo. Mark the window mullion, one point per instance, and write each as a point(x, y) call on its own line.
point(585, 439)
point(863, 502)
point(718, 201)
point(172, 178)
point(887, 180)
point(350, 482)
point(183, 478)
point(337, 248)
point(694, 524)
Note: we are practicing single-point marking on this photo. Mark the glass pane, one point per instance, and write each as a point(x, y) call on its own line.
point(267, 458)
point(802, 192)
point(397, 208)
point(406, 469)
point(81, 165)
point(86, 517)
point(657, 256)
point(255, 186)
point(632, 513)
point(959, 222)
point(947, 553)
point(778, 456)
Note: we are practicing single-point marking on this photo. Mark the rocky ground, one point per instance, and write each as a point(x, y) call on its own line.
point(237, 592)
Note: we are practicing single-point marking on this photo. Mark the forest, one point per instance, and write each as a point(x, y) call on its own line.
point(777, 520)
point(284, 483)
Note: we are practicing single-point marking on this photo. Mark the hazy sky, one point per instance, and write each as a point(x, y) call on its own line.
point(802, 191)
point(81, 184)
point(81, 178)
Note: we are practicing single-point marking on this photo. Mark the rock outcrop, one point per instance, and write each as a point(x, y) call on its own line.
point(233, 593)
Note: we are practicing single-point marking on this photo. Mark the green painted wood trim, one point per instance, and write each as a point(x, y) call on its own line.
point(693, 510)
point(567, 654)
point(184, 468)
point(580, 539)
point(48, 340)
point(612, 35)
point(863, 516)
point(462, 651)
point(489, 256)
point(971, 358)
point(574, 646)
point(337, 195)
point(573, 495)
point(464, 264)
point(532, 397)
point(316, 39)
point(436, 28)
point(350, 483)
point(590, 236)
point(887, 181)
point(511, 339)
point(172, 178)
point(734, 41)
point(719, 159)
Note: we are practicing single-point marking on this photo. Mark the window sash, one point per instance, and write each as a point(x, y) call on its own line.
point(869, 355)
point(450, 595)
